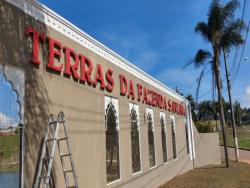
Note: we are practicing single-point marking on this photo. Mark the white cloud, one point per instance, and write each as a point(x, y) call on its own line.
point(6, 121)
point(147, 59)
point(186, 81)
point(176, 75)
point(246, 100)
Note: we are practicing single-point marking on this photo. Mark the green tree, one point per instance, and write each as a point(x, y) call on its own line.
point(238, 113)
point(220, 30)
point(206, 110)
point(193, 106)
point(179, 91)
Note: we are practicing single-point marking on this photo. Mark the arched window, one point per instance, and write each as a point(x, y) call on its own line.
point(112, 144)
point(151, 144)
point(135, 142)
point(11, 134)
point(173, 131)
point(163, 139)
point(9, 105)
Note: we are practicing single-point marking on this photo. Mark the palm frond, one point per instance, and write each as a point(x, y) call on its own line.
point(199, 80)
point(235, 25)
point(232, 34)
point(215, 21)
point(231, 39)
point(201, 57)
point(202, 29)
point(229, 10)
point(187, 64)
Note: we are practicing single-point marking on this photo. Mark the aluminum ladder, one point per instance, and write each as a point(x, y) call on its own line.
point(47, 157)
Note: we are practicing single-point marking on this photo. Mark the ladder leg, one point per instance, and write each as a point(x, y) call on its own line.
point(61, 118)
point(63, 165)
point(40, 166)
point(52, 156)
point(70, 156)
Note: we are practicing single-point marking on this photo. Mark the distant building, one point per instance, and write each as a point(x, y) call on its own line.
point(7, 130)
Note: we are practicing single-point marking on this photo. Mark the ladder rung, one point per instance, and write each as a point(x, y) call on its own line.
point(71, 186)
point(67, 171)
point(42, 177)
point(47, 158)
point(52, 122)
point(50, 139)
point(65, 155)
point(64, 138)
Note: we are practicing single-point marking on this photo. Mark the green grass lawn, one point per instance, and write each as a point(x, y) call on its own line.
point(243, 137)
point(9, 153)
point(236, 176)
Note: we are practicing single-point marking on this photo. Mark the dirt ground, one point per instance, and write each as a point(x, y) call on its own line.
point(236, 176)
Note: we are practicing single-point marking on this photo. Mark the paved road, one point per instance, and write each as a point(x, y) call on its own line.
point(244, 154)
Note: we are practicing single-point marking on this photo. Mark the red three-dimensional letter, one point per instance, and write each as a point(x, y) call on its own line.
point(54, 52)
point(123, 85)
point(139, 92)
point(110, 80)
point(99, 76)
point(36, 37)
point(86, 69)
point(71, 68)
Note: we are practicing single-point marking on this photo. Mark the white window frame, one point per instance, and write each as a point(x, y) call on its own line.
point(190, 126)
point(114, 101)
point(151, 112)
point(136, 108)
point(187, 128)
point(163, 115)
point(172, 117)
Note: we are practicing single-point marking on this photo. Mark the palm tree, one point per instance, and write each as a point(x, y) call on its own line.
point(222, 31)
point(232, 37)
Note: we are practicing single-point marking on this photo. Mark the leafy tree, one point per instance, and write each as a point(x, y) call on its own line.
point(179, 91)
point(193, 106)
point(207, 110)
point(238, 113)
point(245, 116)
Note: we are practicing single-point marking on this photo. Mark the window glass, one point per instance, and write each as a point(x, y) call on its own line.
point(164, 140)
point(135, 142)
point(173, 137)
point(112, 145)
point(151, 145)
point(10, 135)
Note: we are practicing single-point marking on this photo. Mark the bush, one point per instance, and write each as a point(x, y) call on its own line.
point(205, 126)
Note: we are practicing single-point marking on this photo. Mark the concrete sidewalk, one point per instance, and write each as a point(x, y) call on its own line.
point(244, 155)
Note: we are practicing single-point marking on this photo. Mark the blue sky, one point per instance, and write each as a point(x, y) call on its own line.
point(157, 36)
point(9, 107)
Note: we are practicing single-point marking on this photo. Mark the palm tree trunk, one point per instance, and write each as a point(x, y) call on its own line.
point(219, 86)
point(236, 148)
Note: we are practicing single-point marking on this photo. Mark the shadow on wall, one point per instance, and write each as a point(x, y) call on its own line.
point(16, 49)
point(181, 166)
point(207, 148)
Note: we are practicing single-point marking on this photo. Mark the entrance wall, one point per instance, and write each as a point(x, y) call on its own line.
point(48, 91)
